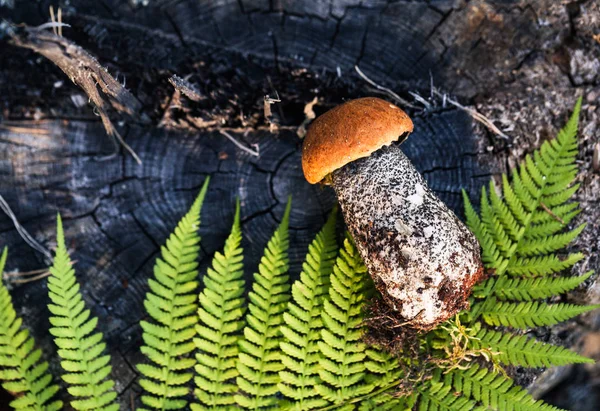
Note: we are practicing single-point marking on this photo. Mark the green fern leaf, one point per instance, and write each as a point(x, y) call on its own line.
point(550, 244)
point(21, 371)
point(490, 253)
point(302, 322)
point(220, 323)
point(384, 378)
point(79, 346)
point(520, 232)
point(527, 289)
point(259, 361)
point(520, 350)
point(388, 401)
point(495, 391)
point(529, 314)
point(383, 367)
point(171, 304)
point(542, 265)
point(435, 395)
point(342, 362)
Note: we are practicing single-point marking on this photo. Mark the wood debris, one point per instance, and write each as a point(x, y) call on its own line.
point(103, 90)
point(186, 88)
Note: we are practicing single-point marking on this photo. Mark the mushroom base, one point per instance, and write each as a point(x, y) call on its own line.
point(422, 258)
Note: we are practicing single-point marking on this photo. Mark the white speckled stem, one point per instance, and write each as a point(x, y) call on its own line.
point(422, 258)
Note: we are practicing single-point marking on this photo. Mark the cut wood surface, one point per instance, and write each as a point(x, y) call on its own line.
point(521, 64)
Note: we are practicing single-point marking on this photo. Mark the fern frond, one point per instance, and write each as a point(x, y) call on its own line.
point(79, 346)
point(520, 231)
point(388, 401)
point(384, 377)
point(550, 243)
point(302, 324)
point(383, 367)
point(21, 371)
point(342, 362)
point(530, 314)
point(490, 253)
point(528, 289)
point(520, 350)
point(220, 323)
point(495, 391)
point(435, 395)
point(541, 265)
point(259, 361)
point(171, 305)
point(491, 218)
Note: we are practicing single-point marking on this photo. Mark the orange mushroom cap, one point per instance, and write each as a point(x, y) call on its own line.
point(351, 131)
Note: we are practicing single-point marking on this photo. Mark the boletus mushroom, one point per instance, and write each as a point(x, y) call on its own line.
point(422, 258)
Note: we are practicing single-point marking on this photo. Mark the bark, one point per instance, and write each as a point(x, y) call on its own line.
point(520, 63)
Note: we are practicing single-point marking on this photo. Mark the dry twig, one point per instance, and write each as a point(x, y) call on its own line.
point(238, 144)
point(21, 277)
point(187, 88)
point(85, 71)
point(309, 115)
point(393, 95)
point(554, 216)
point(28, 238)
point(473, 113)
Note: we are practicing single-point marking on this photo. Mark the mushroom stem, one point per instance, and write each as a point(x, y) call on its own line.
point(422, 258)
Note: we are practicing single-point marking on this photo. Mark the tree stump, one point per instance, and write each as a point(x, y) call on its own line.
point(55, 155)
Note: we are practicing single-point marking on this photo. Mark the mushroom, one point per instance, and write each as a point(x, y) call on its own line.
point(422, 258)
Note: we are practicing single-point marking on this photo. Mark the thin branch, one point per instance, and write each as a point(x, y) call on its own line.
point(126, 146)
point(238, 144)
point(31, 279)
point(393, 95)
point(420, 99)
point(53, 20)
point(25, 273)
point(473, 113)
point(59, 18)
point(546, 209)
point(22, 232)
point(29, 276)
point(50, 25)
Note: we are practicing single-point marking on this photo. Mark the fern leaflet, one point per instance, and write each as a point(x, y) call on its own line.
point(79, 347)
point(384, 378)
point(220, 323)
point(342, 361)
point(434, 395)
point(384, 368)
point(22, 372)
point(520, 350)
point(527, 289)
point(530, 314)
point(259, 361)
point(388, 401)
point(171, 303)
point(495, 391)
